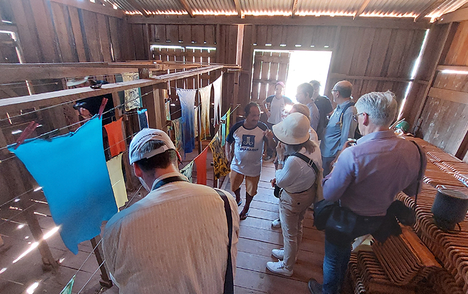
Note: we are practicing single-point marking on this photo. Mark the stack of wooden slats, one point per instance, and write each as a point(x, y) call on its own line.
point(451, 248)
point(368, 276)
point(405, 259)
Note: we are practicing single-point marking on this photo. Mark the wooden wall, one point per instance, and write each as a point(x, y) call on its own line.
point(372, 58)
point(440, 115)
point(221, 37)
point(54, 32)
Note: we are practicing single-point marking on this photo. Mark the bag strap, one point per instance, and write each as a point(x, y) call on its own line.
point(420, 174)
point(307, 160)
point(229, 277)
point(340, 121)
point(167, 181)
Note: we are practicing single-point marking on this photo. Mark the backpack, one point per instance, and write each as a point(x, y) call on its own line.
point(357, 134)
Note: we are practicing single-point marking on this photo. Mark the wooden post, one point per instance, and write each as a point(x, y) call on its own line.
point(153, 101)
point(105, 280)
point(19, 183)
point(48, 261)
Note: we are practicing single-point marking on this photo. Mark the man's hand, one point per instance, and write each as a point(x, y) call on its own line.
point(268, 134)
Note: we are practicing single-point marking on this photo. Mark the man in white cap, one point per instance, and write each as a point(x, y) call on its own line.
point(180, 238)
point(299, 178)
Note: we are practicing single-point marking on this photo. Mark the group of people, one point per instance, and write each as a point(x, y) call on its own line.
point(182, 237)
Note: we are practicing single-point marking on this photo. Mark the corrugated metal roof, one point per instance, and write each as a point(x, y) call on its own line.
point(389, 8)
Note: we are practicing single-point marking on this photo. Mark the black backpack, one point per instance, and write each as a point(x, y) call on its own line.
point(357, 134)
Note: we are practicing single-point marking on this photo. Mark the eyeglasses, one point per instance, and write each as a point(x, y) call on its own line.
point(355, 117)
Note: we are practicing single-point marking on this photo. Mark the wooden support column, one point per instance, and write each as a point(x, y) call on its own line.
point(150, 98)
point(18, 183)
point(48, 261)
point(436, 47)
point(105, 280)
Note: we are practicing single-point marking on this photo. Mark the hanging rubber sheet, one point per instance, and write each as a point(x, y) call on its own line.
point(220, 162)
point(114, 166)
point(205, 94)
point(187, 103)
point(200, 162)
point(115, 136)
point(218, 88)
point(187, 171)
point(225, 126)
point(72, 172)
point(143, 118)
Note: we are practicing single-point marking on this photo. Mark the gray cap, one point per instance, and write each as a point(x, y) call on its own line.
point(144, 136)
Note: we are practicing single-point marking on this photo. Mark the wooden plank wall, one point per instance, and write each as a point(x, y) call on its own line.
point(54, 32)
point(221, 37)
point(372, 58)
point(269, 68)
point(444, 118)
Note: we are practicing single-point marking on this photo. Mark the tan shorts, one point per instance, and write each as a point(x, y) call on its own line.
point(251, 183)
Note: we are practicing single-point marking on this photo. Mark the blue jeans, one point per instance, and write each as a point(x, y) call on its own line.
point(335, 264)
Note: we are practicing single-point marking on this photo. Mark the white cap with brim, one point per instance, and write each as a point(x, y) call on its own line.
point(293, 130)
point(144, 136)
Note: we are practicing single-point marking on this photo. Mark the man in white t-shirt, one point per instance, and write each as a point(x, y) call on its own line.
point(244, 146)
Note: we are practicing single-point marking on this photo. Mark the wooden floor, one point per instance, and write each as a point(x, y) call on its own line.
point(258, 238)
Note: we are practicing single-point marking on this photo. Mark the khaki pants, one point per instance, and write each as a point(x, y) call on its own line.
point(292, 210)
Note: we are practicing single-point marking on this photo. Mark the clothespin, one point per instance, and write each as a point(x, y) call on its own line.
point(101, 108)
point(29, 129)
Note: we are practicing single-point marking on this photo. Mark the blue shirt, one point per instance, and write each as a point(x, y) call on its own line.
point(336, 135)
point(367, 176)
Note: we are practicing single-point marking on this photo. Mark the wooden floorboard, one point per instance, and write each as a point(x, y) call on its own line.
point(257, 238)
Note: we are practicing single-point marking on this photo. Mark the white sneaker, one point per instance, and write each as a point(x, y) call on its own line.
point(276, 224)
point(278, 268)
point(278, 253)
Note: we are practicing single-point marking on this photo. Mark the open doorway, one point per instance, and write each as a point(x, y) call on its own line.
point(305, 66)
point(293, 67)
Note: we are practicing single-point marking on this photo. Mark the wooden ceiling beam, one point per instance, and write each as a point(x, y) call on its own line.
point(429, 8)
point(94, 7)
point(238, 8)
point(361, 9)
point(456, 16)
point(377, 22)
point(51, 98)
point(14, 72)
point(187, 7)
point(293, 8)
point(138, 7)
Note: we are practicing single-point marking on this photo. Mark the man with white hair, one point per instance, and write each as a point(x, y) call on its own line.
point(365, 179)
point(180, 238)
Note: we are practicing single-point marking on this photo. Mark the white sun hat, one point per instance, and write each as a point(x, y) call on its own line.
point(135, 150)
point(293, 130)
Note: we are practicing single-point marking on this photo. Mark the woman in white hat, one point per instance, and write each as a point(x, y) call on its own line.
point(299, 177)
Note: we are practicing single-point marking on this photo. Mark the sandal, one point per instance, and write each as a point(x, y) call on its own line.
point(243, 215)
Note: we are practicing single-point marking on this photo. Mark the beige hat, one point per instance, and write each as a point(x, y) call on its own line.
point(293, 130)
point(146, 135)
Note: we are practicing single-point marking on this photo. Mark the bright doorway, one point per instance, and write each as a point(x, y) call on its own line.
point(293, 67)
point(305, 66)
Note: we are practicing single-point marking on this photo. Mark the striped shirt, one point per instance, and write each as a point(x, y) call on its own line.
point(172, 241)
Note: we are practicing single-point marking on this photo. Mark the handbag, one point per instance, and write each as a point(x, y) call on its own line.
point(342, 220)
point(322, 211)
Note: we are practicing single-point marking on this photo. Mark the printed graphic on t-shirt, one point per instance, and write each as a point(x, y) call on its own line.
point(248, 140)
